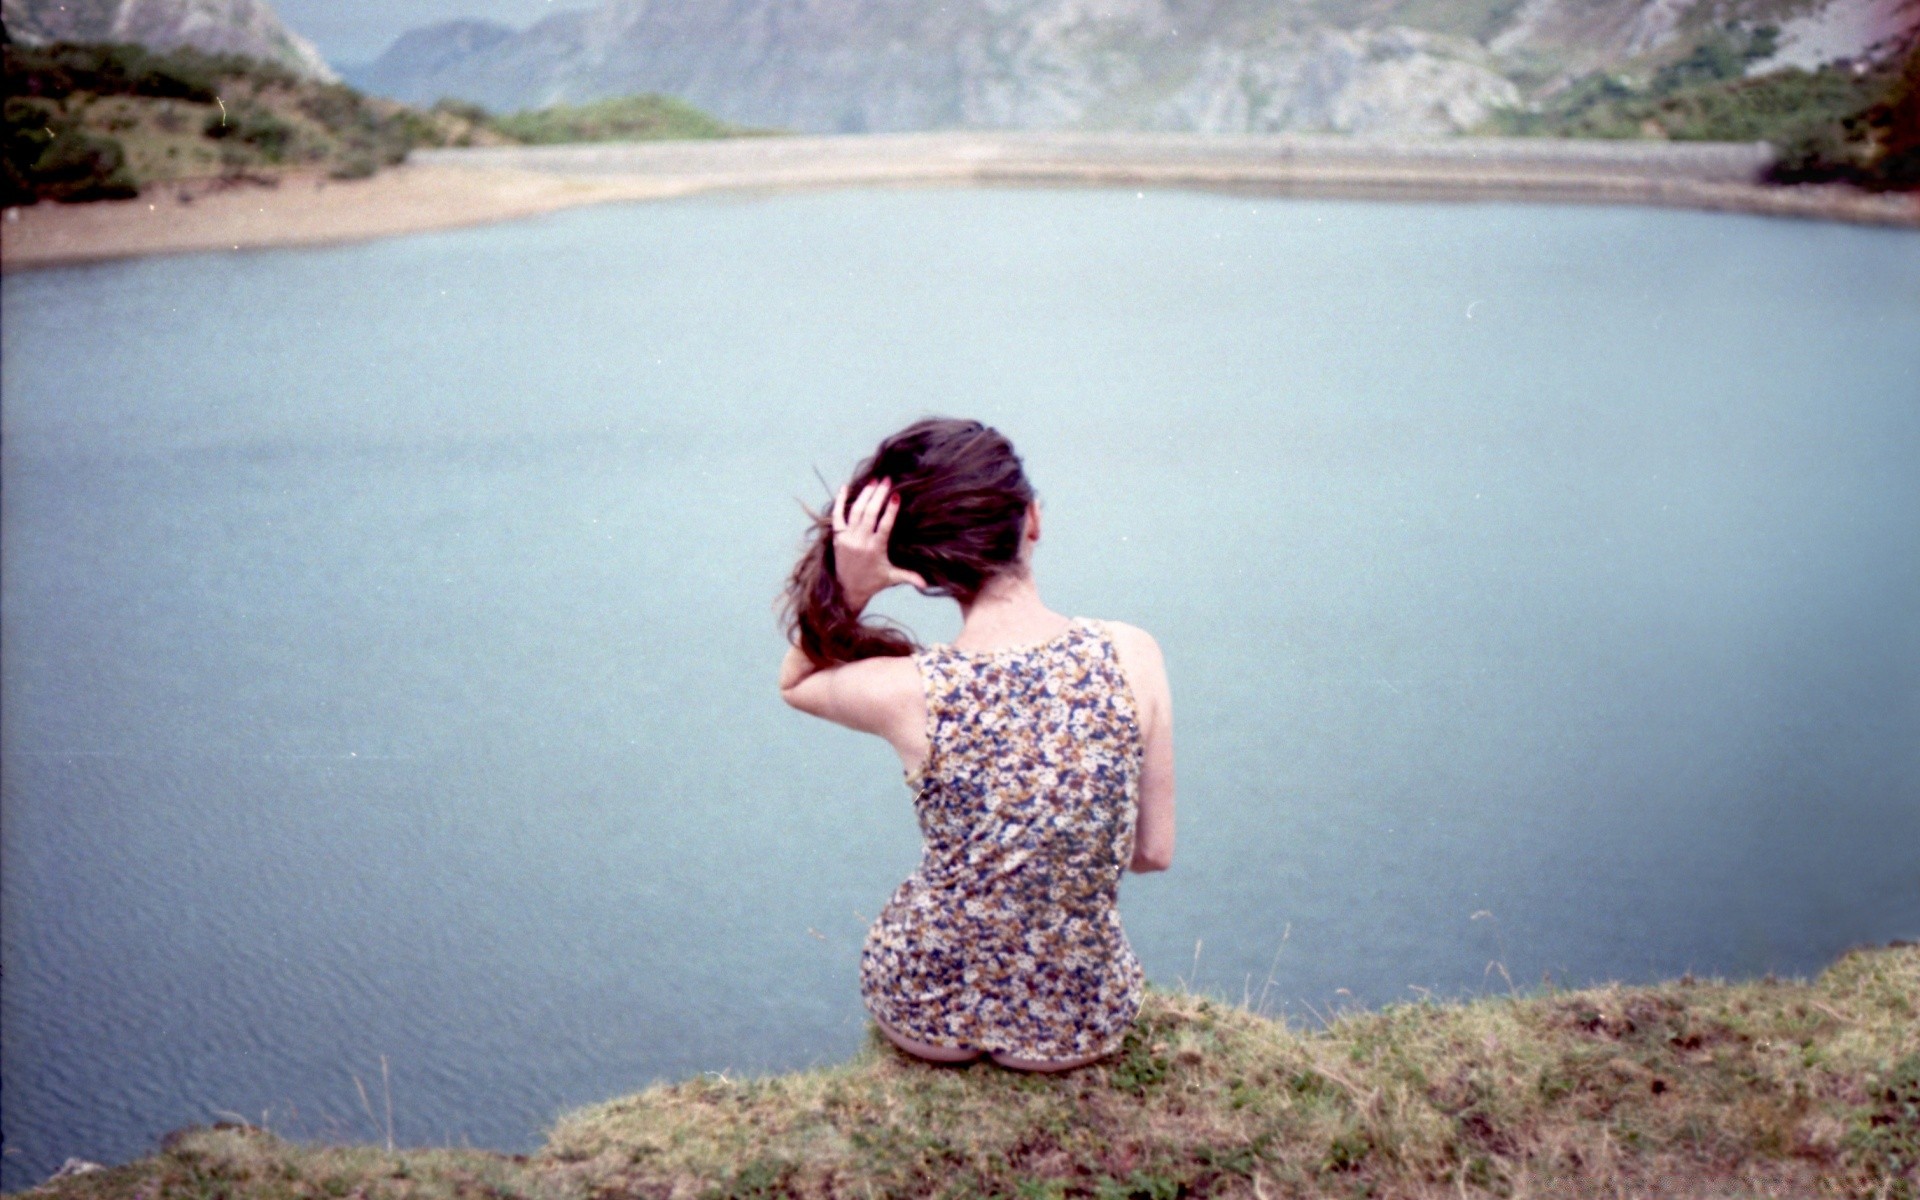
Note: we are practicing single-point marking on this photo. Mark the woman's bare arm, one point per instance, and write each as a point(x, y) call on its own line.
point(874, 695)
point(1146, 673)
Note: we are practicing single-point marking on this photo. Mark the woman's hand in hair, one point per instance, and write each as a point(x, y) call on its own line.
point(860, 544)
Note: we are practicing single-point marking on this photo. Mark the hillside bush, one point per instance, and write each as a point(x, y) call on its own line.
point(1877, 145)
point(369, 133)
point(1829, 123)
point(84, 166)
point(125, 69)
point(252, 114)
point(1724, 55)
point(355, 166)
point(464, 110)
point(1778, 107)
point(252, 126)
point(66, 163)
point(49, 155)
point(22, 142)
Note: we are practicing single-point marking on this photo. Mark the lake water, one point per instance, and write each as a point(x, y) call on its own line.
point(389, 652)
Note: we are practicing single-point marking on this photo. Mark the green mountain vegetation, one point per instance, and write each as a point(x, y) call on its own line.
point(1835, 123)
point(1765, 1088)
point(88, 121)
point(1874, 147)
point(645, 118)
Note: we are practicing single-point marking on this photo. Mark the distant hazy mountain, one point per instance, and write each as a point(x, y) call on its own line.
point(1387, 66)
point(427, 52)
point(226, 26)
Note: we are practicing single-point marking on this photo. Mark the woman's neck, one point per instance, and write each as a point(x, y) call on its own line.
point(1007, 612)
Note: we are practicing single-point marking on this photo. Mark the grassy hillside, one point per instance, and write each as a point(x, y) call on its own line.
point(623, 119)
point(89, 122)
point(97, 122)
point(1690, 1088)
point(1836, 123)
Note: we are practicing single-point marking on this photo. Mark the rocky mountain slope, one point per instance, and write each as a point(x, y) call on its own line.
point(247, 27)
point(1353, 66)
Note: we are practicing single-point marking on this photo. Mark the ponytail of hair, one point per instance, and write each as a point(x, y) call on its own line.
point(963, 503)
point(818, 618)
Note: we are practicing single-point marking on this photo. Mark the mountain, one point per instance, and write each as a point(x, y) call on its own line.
point(1354, 66)
point(247, 27)
point(426, 52)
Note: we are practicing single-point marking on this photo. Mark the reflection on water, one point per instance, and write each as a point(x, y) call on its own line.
point(389, 660)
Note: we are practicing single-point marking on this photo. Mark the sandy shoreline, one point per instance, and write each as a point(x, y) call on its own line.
point(301, 210)
point(447, 189)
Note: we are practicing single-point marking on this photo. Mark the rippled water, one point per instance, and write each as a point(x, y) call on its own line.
point(389, 660)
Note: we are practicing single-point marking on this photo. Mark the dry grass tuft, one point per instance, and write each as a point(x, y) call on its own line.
point(1709, 1090)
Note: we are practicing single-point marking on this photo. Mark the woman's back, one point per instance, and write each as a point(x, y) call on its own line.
point(1007, 937)
point(1040, 754)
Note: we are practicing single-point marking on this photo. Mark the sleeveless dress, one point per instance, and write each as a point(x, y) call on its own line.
point(1007, 938)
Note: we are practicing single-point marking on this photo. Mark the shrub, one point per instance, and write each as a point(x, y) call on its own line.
point(1821, 155)
point(1811, 116)
point(354, 166)
point(1718, 57)
point(78, 166)
point(252, 126)
point(465, 110)
point(50, 156)
point(1875, 145)
point(113, 69)
point(337, 107)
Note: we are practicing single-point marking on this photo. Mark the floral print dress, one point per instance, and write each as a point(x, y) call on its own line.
point(1007, 938)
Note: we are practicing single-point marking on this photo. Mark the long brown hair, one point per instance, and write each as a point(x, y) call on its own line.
point(963, 506)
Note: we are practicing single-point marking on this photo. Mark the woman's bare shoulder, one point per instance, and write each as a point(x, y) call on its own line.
point(1144, 668)
point(1134, 643)
point(1140, 658)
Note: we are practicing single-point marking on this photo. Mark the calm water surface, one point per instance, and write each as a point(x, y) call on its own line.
point(389, 660)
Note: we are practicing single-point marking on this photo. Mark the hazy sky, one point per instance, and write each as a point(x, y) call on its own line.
point(358, 30)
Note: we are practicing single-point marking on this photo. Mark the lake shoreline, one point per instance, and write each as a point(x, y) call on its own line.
point(450, 189)
point(297, 209)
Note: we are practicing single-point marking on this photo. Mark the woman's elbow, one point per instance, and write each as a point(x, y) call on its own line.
point(1155, 858)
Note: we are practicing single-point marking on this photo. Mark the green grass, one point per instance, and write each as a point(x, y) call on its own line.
point(1689, 1088)
point(623, 119)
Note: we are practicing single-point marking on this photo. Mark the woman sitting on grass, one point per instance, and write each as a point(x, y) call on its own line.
point(1039, 749)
